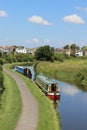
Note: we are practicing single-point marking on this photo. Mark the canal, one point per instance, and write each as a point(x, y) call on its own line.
point(72, 107)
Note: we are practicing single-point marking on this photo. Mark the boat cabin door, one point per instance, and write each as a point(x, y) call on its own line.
point(53, 87)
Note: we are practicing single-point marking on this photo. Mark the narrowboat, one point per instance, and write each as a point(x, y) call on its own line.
point(24, 70)
point(49, 86)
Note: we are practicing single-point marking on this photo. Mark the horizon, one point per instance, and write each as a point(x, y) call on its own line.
point(38, 23)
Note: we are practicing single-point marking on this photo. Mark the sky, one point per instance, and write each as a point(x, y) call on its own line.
point(34, 23)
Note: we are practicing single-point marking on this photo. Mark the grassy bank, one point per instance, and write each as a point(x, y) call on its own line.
point(10, 105)
point(72, 70)
point(48, 117)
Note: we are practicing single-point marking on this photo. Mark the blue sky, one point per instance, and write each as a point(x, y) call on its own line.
point(33, 23)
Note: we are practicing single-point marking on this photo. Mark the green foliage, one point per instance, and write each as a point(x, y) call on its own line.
point(9, 58)
point(66, 47)
point(79, 77)
point(10, 105)
point(1, 61)
point(60, 56)
point(1, 80)
point(0, 53)
point(24, 57)
point(45, 53)
point(73, 47)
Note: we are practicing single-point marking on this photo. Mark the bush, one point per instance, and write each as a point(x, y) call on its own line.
point(1, 61)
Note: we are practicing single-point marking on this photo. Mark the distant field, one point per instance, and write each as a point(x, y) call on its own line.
point(71, 70)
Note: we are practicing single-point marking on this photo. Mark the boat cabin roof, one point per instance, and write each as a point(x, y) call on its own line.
point(46, 79)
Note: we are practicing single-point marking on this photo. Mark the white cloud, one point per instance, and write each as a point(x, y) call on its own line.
point(73, 19)
point(39, 20)
point(34, 40)
point(81, 8)
point(3, 13)
point(47, 40)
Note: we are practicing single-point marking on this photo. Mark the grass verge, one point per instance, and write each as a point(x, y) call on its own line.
point(10, 105)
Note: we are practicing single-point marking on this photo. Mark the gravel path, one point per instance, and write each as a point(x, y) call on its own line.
point(29, 116)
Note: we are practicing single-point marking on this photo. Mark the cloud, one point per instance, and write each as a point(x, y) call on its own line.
point(34, 40)
point(39, 20)
point(81, 8)
point(73, 19)
point(47, 40)
point(70, 91)
point(3, 13)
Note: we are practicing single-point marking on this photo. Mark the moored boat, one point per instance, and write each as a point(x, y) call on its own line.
point(49, 86)
point(24, 70)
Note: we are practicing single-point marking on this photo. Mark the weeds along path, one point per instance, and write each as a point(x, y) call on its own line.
point(29, 115)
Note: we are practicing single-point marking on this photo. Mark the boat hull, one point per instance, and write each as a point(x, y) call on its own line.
point(54, 96)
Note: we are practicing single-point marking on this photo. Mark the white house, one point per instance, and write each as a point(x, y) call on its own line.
point(79, 53)
point(21, 50)
point(68, 52)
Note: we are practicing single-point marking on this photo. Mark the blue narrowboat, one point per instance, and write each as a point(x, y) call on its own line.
point(24, 70)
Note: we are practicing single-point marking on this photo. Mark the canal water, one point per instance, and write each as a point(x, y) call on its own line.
point(72, 107)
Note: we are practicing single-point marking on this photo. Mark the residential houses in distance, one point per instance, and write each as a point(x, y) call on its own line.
point(17, 50)
point(23, 50)
point(78, 53)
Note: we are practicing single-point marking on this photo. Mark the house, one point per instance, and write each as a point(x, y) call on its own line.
point(78, 53)
point(68, 52)
point(29, 51)
point(21, 50)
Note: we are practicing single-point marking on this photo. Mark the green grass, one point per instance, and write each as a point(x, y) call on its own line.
point(11, 104)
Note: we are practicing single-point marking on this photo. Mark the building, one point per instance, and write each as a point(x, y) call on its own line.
point(21, 50)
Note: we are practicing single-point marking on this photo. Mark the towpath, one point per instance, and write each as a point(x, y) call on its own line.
point(29, 116)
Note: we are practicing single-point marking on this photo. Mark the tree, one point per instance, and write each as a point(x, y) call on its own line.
point(66, 47)
point(84, 48)
point(73, 47)
point(45, 53)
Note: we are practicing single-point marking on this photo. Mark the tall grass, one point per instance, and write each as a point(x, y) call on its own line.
point(71, 70)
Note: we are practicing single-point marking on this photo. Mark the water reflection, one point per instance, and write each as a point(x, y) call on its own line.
point(70, 90)
point(72, 107)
